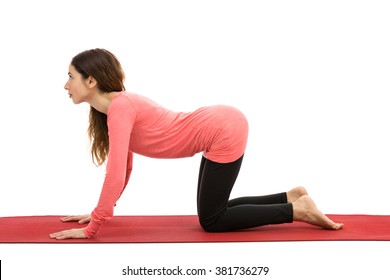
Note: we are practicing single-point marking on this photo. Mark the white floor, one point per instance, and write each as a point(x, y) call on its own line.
point(295, 260)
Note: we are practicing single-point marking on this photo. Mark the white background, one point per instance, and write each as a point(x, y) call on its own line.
point(312, 78)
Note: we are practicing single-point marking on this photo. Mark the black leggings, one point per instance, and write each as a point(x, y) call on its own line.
point(217, 213)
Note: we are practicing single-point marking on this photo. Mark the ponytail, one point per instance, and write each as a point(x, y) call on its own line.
point(98, 136)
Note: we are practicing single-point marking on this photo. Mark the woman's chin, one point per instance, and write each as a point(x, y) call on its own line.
point(76, 101)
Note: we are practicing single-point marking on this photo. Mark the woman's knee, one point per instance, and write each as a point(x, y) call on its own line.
point(209, 225)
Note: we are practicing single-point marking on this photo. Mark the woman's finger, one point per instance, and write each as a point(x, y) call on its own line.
point(72, 233)
point(84, 221)
point(56, 234)
point(75, 218)
point(69, 219)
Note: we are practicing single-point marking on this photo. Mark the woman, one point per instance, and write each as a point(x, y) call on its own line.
point(123, 123)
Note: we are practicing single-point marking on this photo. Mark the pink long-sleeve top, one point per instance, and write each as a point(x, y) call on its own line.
point(136, 124)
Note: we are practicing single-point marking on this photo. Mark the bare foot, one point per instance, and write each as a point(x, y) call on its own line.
point(295, 193)
point(306, 211)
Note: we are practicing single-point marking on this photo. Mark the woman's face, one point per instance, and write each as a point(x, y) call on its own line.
point(78, 88)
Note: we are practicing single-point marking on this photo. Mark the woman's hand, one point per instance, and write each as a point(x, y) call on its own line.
point(81, 219)
point(71, 233)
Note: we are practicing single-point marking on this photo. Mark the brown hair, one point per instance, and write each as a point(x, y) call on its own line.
point(106, 69)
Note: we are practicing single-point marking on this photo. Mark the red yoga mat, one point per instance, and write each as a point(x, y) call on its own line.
point(186, 229)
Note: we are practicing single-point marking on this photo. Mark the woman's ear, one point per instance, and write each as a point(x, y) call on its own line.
point(91, 82)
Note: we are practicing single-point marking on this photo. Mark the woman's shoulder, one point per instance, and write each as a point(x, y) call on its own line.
point(131, 96)
point(122, 101)
point(131, 101)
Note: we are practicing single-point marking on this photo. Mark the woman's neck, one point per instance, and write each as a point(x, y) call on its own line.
point(101, 101)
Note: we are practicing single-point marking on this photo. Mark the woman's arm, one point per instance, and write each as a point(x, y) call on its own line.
point(120, 121)
point(128, 170)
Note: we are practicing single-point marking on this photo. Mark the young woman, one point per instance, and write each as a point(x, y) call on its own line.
point(122, 123)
